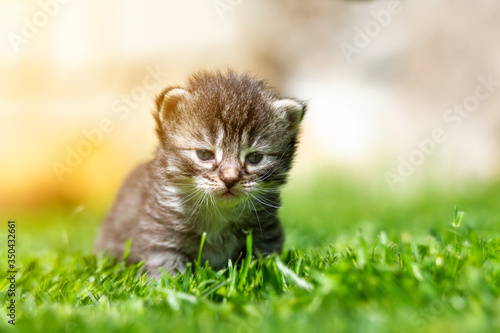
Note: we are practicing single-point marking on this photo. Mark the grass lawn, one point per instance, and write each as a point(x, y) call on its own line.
point(357, 258)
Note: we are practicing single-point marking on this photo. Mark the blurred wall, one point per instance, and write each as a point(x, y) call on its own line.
point(383, 79)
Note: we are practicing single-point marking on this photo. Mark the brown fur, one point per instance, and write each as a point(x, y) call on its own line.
point(166, 204)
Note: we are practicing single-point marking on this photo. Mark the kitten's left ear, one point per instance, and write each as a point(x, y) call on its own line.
point(167, 102)
point(291, 109)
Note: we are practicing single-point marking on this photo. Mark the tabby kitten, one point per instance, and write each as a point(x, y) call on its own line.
point(226, 145)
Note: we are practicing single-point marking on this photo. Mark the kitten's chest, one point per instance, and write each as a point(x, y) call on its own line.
point(224, 235)
point(221, 247)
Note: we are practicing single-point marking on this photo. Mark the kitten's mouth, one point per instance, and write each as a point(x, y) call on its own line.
point(228, 198)
point(228, 195)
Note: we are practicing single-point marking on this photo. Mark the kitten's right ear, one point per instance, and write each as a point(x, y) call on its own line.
point(291, 109)
point(167, 102)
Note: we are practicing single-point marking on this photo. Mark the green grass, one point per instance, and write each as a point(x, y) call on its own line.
point(357, 259)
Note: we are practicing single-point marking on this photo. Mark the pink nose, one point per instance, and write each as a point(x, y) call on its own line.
point(229, 174)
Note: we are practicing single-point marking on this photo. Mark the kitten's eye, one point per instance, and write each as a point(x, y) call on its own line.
point(254, 158)
point(205, 155)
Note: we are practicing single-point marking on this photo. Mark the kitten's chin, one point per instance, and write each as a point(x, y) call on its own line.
point(228, 199)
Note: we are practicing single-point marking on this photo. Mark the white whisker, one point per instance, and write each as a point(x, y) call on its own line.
point(258, 219)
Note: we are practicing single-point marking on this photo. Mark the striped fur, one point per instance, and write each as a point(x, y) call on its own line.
point(166, 204)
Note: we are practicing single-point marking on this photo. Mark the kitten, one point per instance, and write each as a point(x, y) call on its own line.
point(227, 142)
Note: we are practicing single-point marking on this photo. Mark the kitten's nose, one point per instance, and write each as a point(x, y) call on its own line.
point(229, 184)
point(229, 174)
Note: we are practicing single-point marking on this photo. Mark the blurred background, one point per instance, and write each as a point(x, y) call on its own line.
point(401, 93)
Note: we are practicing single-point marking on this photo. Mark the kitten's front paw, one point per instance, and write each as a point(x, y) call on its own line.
point(171, 264)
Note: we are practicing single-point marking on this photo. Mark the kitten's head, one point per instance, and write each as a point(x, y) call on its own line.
point(226, 135)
